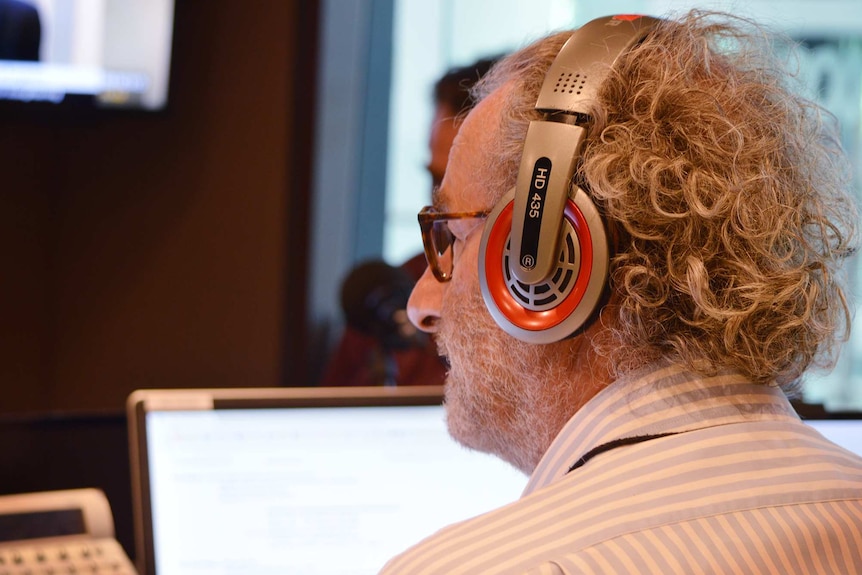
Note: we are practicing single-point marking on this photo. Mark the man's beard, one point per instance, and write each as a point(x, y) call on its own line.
point(504, 396)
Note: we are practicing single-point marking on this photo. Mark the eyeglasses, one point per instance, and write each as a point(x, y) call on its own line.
point(439, 240)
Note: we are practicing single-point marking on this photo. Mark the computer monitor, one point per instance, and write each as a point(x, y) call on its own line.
point(299, 480)
point(841, 427)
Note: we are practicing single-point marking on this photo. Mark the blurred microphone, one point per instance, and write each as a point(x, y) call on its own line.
point(374, 300)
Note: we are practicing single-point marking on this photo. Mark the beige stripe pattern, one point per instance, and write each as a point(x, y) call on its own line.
point(710, 475)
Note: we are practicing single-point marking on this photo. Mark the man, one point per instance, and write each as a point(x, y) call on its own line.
point(361, 358)
point(658, 436)
point(452, 102)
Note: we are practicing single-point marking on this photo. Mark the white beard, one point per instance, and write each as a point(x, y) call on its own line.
point(504, 396)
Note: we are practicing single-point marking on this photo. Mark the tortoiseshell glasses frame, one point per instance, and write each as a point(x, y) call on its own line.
point(438, 239)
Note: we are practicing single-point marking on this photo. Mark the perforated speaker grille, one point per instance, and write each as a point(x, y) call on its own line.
point(549, 294)
point(570, 82)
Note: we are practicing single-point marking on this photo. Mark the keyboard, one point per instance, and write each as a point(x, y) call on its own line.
point(78, 555)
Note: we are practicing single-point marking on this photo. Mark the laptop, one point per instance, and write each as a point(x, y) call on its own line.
point(298, 480)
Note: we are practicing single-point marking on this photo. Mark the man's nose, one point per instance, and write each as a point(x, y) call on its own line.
point(423, 308)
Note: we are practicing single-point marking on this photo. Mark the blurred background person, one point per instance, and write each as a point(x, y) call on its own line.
point(20, 31)
point(379, 345)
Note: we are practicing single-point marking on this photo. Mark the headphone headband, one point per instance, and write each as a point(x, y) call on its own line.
point(586, 59)
point(571, 84)
point(548, 279)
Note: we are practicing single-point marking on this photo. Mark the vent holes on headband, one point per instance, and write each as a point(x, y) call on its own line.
point(570, 82)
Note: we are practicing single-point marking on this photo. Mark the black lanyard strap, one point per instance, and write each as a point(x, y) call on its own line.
point(614, 444)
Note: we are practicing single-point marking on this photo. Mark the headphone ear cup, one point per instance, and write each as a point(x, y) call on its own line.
point(556, 307)
point(533, 294)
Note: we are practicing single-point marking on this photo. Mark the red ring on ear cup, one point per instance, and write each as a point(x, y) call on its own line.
point(495, 276)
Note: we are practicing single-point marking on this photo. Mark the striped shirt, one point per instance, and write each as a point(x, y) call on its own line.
point(669, 472)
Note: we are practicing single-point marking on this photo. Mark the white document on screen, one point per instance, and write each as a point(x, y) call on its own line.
point(312, 491)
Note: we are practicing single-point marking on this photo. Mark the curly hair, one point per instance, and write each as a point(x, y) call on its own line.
point(728, 194)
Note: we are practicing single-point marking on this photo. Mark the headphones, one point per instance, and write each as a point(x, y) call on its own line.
point(544, 255)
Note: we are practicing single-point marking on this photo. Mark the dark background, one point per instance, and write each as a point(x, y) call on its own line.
point(155, 250)
point(164, 250)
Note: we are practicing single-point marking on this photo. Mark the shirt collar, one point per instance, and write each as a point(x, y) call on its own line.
point(658, 400)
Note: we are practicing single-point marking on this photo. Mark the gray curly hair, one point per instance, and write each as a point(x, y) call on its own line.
point(728, 194)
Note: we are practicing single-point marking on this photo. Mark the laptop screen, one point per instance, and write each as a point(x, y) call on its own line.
point(266, 487)
point(845, 432)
